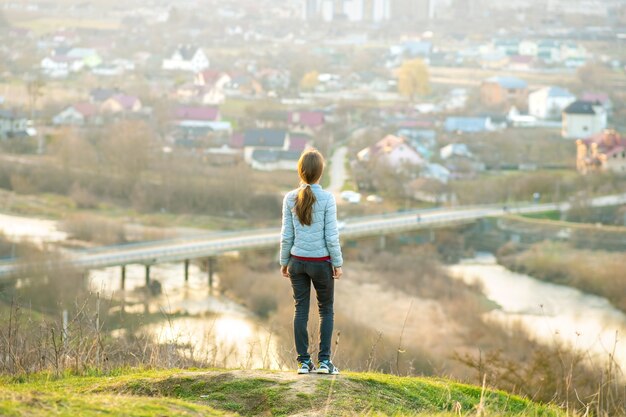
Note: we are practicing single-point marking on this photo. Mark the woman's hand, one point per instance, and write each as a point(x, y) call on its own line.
point(337, 272)
point(284, 270)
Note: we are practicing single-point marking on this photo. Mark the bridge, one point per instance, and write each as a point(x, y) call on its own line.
point(213, 244)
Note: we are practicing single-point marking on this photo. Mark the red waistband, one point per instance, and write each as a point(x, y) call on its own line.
point(304, 258)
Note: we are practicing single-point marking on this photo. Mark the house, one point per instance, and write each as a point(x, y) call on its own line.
point(602, 98)
point(212, 84)
point(392, 150)
point(13, 124)
point(582, 119)
point(500, 91)
point(468, 124)
point(264, 139)
point(186, 58)
point(88, 56)
point(605, 151)
point(121, 103)
point(275, 159)
point(459, 160)
point(305, 121)
point(455, 150)
point(518, 119)
point(549, 102)
point(521, 62)
point(100, 95)
point(422, 140)
point(203, 118)
point(59, 66)
point(528, 48)
point(78, 114)
point(507, 46)
point(494, 60)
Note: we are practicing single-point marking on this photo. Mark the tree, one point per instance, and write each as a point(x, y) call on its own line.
point(309, 81)
point(127, 149)
point(413, 79)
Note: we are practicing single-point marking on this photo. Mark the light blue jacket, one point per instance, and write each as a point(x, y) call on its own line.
point(318, 240)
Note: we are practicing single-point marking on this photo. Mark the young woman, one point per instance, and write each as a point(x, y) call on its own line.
point(310, 253)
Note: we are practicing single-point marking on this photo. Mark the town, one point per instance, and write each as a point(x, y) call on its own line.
point(473, 153)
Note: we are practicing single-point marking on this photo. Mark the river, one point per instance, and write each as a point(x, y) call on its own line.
point(215, 323)
point(549, 312)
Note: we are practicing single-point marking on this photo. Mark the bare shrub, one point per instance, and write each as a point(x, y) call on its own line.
point(94, 229)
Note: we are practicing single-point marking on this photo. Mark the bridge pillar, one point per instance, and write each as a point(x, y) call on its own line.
point(210, 269)
point(123, 283)
point(186, 270)
point(382, 242)
point(147, 275)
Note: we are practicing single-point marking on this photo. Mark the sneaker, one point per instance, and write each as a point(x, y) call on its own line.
point(306, 367)
point(327, 367)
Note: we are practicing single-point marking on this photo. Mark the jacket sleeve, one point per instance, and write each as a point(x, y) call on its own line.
point(286, 234)
point(331, 232)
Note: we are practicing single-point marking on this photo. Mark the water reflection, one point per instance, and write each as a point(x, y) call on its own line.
point(215, 328)
point(548, 311)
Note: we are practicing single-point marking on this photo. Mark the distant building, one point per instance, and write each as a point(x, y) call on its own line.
point(100, 95)
point(549, 102)
point(88, 56)
point(582, 119)
point(468, 124)
point(264, 139)
point(521, 62)
point(193, 119)
point(78, 114)
point(602, 98)
point(460, 161)
point(499, 91)
point(121, 103)
point(60, 66)
point(351, 10)
point(13, 124)
point(306, 121)
point(605, 151)
point(273, 160)
point(392, 150)
point(187, 58)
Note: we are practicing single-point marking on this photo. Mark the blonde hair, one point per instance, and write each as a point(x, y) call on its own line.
point(310, 169)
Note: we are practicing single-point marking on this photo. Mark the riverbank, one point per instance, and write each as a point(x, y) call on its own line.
point(592, 271)
point(254, 393)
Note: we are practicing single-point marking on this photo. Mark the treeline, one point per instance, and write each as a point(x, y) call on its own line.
point(127, 167)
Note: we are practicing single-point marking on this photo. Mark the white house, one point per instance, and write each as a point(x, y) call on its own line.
point(528, 48)
point(393, 150)
point(582, 119)
point(78, 114)
point(60, 66)
point(187, 58)
point(549, 102)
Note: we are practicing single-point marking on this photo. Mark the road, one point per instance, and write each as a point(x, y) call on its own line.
point(338, 170)
point(173, 250)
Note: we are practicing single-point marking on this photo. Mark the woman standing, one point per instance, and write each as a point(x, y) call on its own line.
point(310, 253)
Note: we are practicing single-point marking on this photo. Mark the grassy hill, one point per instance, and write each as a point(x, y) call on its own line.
point(253, 393)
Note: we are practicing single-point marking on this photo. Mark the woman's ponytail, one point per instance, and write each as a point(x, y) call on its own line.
point(310, 169)
point(304, 205)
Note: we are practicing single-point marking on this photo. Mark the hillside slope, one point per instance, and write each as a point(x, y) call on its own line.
point(252, 393)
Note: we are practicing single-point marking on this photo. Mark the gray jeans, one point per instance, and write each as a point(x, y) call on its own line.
point(303, 273)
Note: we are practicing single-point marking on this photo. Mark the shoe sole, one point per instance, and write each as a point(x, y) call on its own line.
point(303, 372)
point(326, 372)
